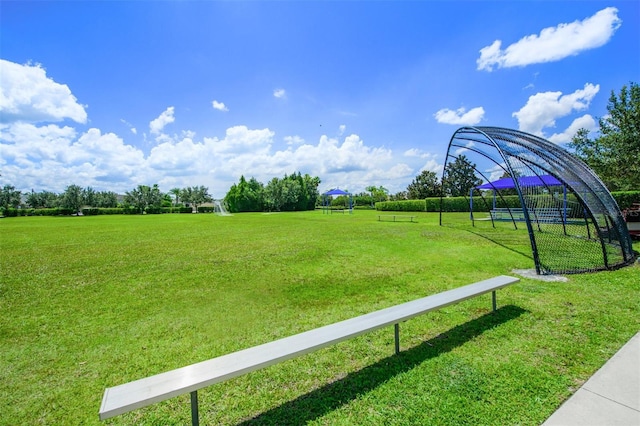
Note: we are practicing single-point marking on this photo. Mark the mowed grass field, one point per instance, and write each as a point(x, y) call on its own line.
point(93, 302)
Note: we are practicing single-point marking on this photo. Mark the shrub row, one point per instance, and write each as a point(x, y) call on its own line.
point(449, 204)
point(625, 199)
point(402, 206)
point(92, 211)
point(38, 212)
point(99, 211)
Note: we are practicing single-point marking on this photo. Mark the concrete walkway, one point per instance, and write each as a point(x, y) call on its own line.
point(610, 397)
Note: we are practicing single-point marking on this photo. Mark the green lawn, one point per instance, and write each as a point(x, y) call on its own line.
point(92, 302)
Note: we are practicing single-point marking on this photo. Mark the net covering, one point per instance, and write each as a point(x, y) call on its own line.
point(572, 222)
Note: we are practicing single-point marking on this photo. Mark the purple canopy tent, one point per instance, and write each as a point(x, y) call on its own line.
point(509, 183)
point(326, 203)
point(523, 181)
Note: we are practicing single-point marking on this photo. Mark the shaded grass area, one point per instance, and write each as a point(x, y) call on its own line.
point(561, 247)
point(328, 398)
point(93, 302)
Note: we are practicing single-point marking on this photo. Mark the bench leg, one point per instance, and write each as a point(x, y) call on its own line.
point(396, 329)
point(195, 420)
point(493, 300)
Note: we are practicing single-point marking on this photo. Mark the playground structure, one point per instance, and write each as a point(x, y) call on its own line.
point(572, 221)
point(219, 209)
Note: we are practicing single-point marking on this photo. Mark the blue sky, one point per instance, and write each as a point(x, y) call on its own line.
point(180, 93)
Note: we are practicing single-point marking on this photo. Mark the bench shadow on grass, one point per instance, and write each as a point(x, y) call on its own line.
point(323, 400)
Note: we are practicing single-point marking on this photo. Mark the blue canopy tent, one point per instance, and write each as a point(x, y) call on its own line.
point(547, 181)
point(523, 181)
point(326, 199)
point(506, 183)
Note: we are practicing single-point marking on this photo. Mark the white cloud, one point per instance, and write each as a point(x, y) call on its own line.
point(293, 140)
point(341, 129)
point(130, 126)
point(460, 116)
point(495, 172)
point(431, 163)
point(553, 43)
point(241, 140)
point(413, 152)
point(542, 109)
point(220, 106)
point(584, 122)
point(466, 148)
point(418, 153)
point(433, 166)
point(27, 94)
point(157, 125)
point(279, 93)
point(26, 144)
point(52, 157)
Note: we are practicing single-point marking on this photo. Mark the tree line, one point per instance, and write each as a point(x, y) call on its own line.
point(290, 193)
point(142, 199)
point(614, 154)
point(460, 178)
point(295, 192)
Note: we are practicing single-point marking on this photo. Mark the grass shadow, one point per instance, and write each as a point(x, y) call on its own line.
point(323, 400)
point(502, 244)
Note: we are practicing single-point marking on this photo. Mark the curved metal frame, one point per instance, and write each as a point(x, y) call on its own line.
point(514, 147)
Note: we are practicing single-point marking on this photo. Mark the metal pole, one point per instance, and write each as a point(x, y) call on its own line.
point(493, 300)
point(396, 328)
point(195, 421)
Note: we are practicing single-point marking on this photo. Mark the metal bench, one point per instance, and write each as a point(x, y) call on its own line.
point(140, 393)
point(399, 217)
point(507, 214)
point(539, 214)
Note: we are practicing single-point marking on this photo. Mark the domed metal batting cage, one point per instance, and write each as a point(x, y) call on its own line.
point(522, 187)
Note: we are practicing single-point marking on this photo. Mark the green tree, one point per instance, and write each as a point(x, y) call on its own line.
point(246, 196)
point(42, 200)
point(460, 177)
point(614, 155)
point(89, 196)
point(378, 193)
point(9, 197)
point(72, 198)
point(144, 197)
point(294, 192)
point(106, 199)
point(196, 195)
point(186, 194)
point(176, 195)
point(425, 185)
point(402, 195)
point(311, 193)
point(274, 196)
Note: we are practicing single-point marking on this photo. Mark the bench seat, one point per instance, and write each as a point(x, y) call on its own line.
point(399, 217)
point(140, 393)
